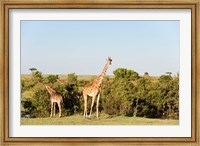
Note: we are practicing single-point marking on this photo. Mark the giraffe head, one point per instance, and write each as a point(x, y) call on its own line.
point(109, 60)
point(47, 86)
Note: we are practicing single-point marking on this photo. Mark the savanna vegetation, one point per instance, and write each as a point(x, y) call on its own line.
point(126, 94)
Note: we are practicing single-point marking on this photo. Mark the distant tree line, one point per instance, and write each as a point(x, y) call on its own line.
point(126, 94)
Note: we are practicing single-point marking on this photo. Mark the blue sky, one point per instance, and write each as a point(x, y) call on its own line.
point(62, 47)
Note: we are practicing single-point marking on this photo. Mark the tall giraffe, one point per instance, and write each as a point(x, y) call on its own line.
point(54, 98)
point(94, 89)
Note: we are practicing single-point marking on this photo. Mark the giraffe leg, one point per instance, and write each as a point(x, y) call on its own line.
point(54, 108)
point(59, 109)
point(97, 106)
point(93, 99)
point(85, 106)
point(51, 109)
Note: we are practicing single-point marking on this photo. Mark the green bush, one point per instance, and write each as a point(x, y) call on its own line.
point(41, 102)
point(52, 78)
point(126, 94)
point(130, 95)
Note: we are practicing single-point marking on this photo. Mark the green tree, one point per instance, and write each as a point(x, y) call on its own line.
point(72, 78)
point(125, 74)
point(165, 79)
point(27, 107)
point(171, 98)
point(52, 78)
point(119, 93)
point(40, 102)
point(33, 69)
point(37, 75)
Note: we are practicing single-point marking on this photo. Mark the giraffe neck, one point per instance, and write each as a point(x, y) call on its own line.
point(99, 80)
point(103, 74)
point(51, 91)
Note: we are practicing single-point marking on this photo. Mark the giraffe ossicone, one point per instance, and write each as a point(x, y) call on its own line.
point(93, 90)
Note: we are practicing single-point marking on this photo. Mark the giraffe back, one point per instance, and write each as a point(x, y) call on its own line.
point(56, 98)
point(91, 90)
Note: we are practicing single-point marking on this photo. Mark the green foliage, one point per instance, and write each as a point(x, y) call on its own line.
point(165, 79)
point(117, 94)
point(33, 69)
point(71, 98)
point(27, 84)
point(27, 106)
point(72, 78)
point(38, 105)
point(52, 78)
point(37, 75)
point(126, 94)
point(82, 83)
point(125, 74)
point(40, 102)
point(130, 95)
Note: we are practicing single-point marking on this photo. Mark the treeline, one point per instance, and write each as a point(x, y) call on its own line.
point(126, 94)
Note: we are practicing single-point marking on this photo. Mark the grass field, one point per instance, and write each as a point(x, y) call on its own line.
point(104, 120)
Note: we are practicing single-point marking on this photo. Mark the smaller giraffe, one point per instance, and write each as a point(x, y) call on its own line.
point(54, 98)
